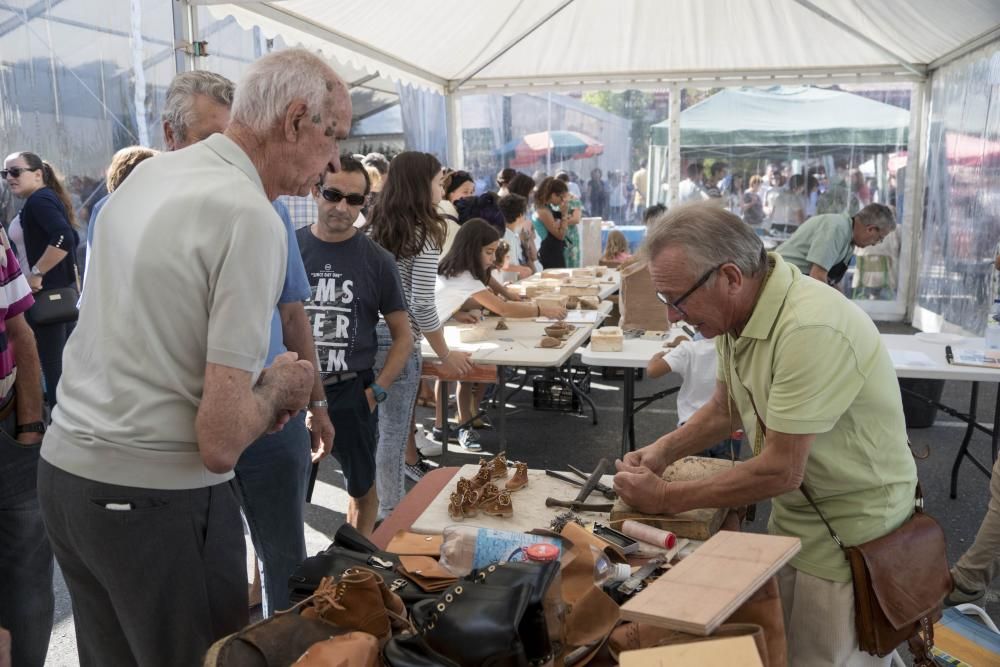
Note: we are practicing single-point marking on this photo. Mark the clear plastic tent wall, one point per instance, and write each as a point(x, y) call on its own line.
point(957, 279)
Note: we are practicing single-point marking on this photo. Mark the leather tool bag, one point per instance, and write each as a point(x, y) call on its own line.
point(900, 581)
point(351, 549)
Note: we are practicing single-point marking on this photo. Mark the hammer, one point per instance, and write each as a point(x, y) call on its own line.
point(579, 503)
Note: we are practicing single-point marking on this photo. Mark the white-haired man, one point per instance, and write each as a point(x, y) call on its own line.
point(163, 386)
point(831, 422)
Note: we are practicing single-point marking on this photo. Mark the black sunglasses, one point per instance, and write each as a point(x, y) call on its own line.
point(333, 195)
point(16, 171)
point(676, 305)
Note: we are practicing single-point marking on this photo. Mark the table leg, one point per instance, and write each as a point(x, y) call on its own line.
point(964, 448)
point(628, 414)
point(502, 407)
point(442, 400)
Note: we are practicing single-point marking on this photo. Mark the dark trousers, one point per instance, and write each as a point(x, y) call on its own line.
point(550, 253)
point(51, 339)
point(26, 598)
point(154, 583)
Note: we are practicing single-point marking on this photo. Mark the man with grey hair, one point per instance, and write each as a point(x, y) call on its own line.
point(831, 423)
point(165, 385)
point(196, 107)
point(823, 245)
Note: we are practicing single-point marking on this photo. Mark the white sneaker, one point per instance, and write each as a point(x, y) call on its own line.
point(430, 448)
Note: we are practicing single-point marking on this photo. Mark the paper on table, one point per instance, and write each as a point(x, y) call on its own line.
point(576, 317)
point(911, 358)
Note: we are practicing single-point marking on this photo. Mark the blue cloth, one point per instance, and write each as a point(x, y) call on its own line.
point(634, 234)
point(273, 474)
point(93, 219)
point(296, 287)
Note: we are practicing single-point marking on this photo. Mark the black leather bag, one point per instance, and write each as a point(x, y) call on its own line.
point(351, 549)
point(55, 306)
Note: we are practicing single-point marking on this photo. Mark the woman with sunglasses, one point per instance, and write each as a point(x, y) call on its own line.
point(46, 241)
point(406, 223)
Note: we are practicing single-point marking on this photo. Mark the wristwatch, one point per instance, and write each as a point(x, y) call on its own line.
point(319, 404)
point(35, 271)
point(378, 392)
point(31, 427)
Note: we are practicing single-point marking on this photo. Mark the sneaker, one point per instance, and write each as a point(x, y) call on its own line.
point(433, 448)
point(483, 422)
point(961, 596)
point(416, 471)
point(469, 439)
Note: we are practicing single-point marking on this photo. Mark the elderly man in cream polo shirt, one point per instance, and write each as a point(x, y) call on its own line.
point(163, 385)
point(805, 372)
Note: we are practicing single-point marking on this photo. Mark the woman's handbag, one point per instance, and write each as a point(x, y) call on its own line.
point(55, 306)
point(900, 581)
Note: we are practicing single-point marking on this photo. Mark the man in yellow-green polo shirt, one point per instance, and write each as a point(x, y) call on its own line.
point(811, 364)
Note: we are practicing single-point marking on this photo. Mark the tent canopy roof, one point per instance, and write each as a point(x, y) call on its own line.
point(632, 43)
point(752, 119)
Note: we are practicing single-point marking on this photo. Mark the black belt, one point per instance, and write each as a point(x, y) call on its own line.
point(337, 378)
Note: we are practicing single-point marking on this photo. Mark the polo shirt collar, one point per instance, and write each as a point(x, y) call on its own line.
point(229, 150)
point(772, 298)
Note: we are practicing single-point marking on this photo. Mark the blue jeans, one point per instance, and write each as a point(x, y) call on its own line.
point(273, 473)
point(395, 414)
point(26, 597)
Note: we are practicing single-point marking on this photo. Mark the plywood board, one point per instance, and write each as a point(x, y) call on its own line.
point(699, 524)
point(724, 652)
point(704, 589)
point(530, 511)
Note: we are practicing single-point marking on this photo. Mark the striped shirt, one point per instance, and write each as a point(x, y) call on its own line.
point(15, 298)
point(419, 275)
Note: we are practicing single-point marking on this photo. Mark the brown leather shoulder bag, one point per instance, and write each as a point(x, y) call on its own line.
point(900, 581)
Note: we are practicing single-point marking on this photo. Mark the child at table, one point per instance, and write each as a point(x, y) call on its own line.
point(463, 283)
point(695, 361)
point(616, 248)
point(501, 262)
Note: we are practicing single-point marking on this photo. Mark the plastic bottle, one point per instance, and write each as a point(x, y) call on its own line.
point(606, 572)
point(993, 331)
point(465, 548)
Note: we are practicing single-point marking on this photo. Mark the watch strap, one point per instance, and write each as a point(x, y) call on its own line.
point(31, 427)
point(319, 404)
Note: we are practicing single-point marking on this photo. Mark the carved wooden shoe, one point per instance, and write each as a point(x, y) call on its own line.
point(455, 506)
point(499, 505)
point(520, 478)
point(497, 466)
point(482, 477)
point(487, 494)
point(470, 503)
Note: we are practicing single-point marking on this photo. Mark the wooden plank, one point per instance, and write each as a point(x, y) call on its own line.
point(704, 589)
point(699, 524)
point(725, 652)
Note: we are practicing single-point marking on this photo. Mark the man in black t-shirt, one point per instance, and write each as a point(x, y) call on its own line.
point(353, 281)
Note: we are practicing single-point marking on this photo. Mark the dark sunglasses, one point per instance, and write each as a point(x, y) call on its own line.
point(16, 172)
point(333, 195)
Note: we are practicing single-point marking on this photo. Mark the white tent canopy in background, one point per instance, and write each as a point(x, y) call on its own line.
point(588, 44)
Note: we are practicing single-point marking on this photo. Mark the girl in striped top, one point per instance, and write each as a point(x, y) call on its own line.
point(405, 223)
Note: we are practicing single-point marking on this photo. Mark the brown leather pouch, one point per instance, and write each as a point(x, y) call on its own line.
point(426, 573)
point(900, 581)
point(405, 543)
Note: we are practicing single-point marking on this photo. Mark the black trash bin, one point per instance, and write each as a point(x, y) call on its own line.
point(919, 413)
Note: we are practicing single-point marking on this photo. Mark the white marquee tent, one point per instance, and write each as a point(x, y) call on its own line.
point(543, 45)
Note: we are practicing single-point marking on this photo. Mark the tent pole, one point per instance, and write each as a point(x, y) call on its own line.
point(674, 147)
point(185, 32)
point(913, 195)
point(453, 116)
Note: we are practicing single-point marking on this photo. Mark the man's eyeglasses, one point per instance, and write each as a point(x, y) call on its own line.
point(333, 195)
point(15, 172)
point(676, 305)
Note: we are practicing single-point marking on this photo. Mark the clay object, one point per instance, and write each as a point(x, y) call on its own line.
point(472, 335)
point(497, 466)
point(589, 302)
point(548, 341)
point(502, 325)
point(573, 302)
point(520, 478)
point(675, 342)
point(499, 505)
point(470, 503)
point(607, 339)
point(556, 331)
point(482, 477)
